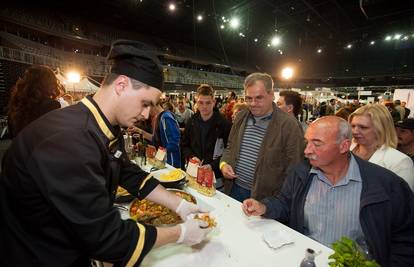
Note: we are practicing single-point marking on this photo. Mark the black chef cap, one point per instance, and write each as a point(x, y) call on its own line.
point(133, 59)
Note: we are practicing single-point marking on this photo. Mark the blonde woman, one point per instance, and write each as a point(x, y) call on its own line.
point(375, 140)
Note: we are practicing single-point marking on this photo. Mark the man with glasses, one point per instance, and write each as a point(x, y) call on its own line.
point(263, 143)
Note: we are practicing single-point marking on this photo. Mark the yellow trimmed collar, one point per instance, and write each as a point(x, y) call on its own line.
point(99, 119)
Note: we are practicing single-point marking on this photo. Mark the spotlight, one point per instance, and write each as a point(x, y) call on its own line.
point(255, 40)
point(388, 38)
point(405, 38)
point(397, 36)
point(349, 46)
point(199, 17)
point(73, 77)
point(275, 41)
point(234, 23)
point(171, 7)
point(372, 43)
point(287, 73)
point(221, 26)
point(319, 50)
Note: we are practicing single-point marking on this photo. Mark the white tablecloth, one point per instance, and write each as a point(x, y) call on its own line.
point(236, 241)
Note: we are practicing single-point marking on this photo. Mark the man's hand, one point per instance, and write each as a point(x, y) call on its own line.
point(252, 207)
point(185, 208)
point(193, 231)
point(228, 172)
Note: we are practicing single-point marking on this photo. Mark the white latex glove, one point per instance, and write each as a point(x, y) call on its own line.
point(185, 208)
point(192, 233)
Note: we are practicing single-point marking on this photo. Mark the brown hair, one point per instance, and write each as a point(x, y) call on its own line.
point(293, 98)
point(37, 84)
point(205, 90)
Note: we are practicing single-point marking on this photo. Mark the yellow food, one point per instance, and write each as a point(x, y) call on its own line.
point(205, 217)
point(207, 191)
point(173, 175)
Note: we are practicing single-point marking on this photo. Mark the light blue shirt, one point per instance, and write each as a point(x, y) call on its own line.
point(332, 211)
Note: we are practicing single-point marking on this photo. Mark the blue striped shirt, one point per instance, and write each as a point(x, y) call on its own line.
point(332, 211)
point(249, 149)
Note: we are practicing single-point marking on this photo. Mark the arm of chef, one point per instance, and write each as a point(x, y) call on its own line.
point(68, 172)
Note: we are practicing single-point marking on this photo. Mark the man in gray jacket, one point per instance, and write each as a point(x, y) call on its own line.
point(343, 195)
point(263, 143)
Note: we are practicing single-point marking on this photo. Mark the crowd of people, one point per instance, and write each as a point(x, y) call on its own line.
point(348, 173)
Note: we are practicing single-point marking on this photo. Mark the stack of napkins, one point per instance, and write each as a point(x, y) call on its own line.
point(277, 239)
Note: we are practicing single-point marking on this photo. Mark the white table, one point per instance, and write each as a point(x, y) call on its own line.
point(236, 241)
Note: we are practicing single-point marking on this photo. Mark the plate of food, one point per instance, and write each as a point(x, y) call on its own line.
point(171, 177)
point(151, 213)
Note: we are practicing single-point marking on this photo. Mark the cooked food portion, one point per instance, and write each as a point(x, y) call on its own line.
point(173, 175)
point(121, 191)
point(148, 212)
point(205, 217)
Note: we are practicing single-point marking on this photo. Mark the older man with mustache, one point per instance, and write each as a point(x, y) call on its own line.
point(339, 194)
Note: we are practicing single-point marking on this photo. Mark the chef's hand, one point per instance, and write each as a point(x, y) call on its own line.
point(185, 208)
point(228, 172)
point(193, 231)
point(252, 207)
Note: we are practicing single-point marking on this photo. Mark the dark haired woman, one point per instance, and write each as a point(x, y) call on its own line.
point(31, 97)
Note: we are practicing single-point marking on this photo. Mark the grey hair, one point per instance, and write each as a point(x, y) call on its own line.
point(344, 131)
point(257, 76)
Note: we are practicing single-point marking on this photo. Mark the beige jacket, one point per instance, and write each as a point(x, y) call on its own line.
point(282, 147)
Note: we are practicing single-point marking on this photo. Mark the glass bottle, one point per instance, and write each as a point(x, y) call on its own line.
point(309, 260)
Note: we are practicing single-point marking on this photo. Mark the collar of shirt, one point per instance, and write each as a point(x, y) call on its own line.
point(102, 120)
point(259, 120)
point(353, 174)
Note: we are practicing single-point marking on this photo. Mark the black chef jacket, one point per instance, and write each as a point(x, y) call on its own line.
point(56, 193)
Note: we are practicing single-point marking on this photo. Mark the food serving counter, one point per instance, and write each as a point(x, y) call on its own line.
point(238, 241)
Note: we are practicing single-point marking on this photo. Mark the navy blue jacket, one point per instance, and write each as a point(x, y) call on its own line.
point(386, 211)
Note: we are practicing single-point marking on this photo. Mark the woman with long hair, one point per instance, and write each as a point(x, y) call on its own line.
point(32, 96)
point(375, 140)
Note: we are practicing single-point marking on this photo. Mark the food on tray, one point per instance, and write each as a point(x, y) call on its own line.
point(148, 212)
point(121, 191)
point(207, 191)
point(205, 217)
point(173, 175)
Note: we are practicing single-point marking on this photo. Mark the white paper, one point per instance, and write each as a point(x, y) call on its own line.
point(277, 239)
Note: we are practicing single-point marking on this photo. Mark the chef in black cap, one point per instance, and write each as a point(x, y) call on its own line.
point(61, 173)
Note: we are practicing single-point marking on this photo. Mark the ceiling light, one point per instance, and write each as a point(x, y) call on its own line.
point(199, 17)
point(221, 26)
point(255, 40)
point(234, 23)
point(275, 41)
point(388, 38)
point(349, 46)
point(287, 73)
point(372, 43)
point(319, 50)
point(397, 36)
point(241, 34)
point(171, 7)
point(405, 38)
